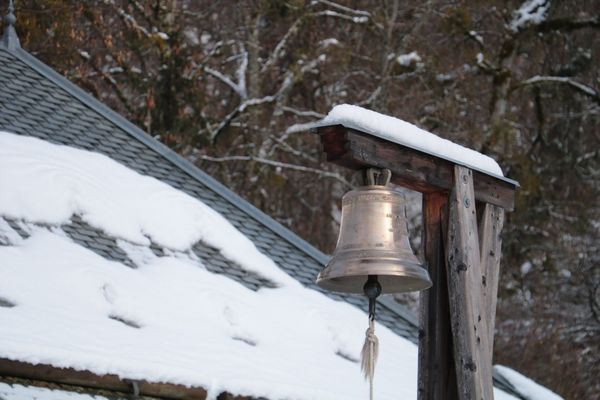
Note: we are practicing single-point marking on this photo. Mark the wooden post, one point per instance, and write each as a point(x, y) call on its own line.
point(437, 376)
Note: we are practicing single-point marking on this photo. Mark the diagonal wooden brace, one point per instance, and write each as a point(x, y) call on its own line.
point(469, 321)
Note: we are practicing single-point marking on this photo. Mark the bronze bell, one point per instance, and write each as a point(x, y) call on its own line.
point(373, 240)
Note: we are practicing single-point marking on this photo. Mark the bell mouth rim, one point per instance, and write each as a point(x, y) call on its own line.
point(413, 276)
point(409, 284)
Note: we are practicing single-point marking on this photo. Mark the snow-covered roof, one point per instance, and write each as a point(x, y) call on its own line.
point(168, 319)
point(525, 386)
point(407, 134)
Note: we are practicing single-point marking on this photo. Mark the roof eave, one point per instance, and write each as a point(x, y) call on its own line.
point(70, 376)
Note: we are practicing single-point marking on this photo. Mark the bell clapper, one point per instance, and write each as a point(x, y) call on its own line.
point(372, 290)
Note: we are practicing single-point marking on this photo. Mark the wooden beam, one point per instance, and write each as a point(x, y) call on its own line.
point(437, 375)
point(411, 168)
point(70, 389)
point(88, 379)
point(467, 312)
point(490, 227)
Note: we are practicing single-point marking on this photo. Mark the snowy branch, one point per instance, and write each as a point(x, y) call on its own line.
point(240, 86)
point(331, 13)
point(587, 90)
point(299, 128)
point(280, 45)
point(344, 8)
point(283, 145)
point(476, 37)
point(531, 12)
point(286, 85)
point(240, 74)
point(279, 164)
point(130, 20)
point(239, 109)
point(349, 14)
point(193, 74)
point(301, 113)
point(226, 80)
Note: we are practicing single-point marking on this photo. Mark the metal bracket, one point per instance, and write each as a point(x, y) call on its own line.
point(376, 176)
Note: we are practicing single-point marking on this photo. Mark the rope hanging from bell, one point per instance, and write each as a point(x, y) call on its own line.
point(370, 350)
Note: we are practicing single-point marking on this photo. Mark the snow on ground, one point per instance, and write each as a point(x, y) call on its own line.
point(531, 12)
point(170, 319)
point(402, 132)
point(525, 386)
point(22, 392)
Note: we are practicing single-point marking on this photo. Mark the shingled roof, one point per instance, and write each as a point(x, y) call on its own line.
point(37, 101)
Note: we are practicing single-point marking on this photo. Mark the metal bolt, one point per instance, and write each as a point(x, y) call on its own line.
point(467, 202)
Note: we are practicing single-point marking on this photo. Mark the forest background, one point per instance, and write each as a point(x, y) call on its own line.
point(232, 85)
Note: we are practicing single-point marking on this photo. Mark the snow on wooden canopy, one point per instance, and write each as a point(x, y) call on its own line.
point(404, 133)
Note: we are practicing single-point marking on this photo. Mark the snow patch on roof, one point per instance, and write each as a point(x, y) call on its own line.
point(50, 183)
point(525, 386)
point(407, 134)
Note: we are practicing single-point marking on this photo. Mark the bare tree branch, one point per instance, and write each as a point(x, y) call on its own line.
point(568, 24)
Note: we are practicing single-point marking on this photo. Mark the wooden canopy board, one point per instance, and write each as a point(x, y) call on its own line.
point(411, 168)
point(463, 214)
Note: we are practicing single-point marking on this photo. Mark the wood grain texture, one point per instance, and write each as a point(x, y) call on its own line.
point(467, 311)
point(490, 228)
point(411, 168)
point(437, 375)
